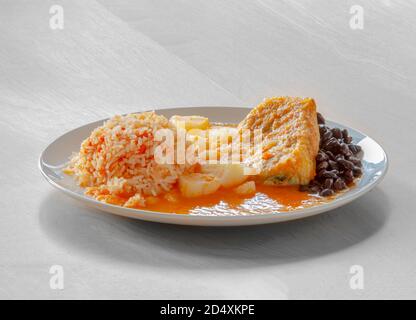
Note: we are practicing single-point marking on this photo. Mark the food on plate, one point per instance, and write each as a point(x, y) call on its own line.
point(229, 174)
point(246, 188)
point(190, 122)
point(299, 161)
point(116, 162)
point(290, 139)
point(338, 161)
point(198, 184)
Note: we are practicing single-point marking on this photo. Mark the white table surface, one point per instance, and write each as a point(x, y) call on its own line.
point(121, 56)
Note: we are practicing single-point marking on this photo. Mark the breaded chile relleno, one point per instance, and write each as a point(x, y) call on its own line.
point(290, 139)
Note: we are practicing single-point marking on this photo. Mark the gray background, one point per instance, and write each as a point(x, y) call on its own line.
point(121, 56)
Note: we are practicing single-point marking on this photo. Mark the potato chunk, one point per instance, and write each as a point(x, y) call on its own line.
point(246, 188)
point(198, 184)
point(230, 175)
point(190, 122)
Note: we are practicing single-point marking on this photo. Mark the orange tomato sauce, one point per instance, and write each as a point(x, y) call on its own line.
point(288, 198)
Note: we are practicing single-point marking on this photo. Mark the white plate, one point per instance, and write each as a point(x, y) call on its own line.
point(54, 158)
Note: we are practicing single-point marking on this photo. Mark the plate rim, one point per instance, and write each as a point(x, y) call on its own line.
point(191, 218)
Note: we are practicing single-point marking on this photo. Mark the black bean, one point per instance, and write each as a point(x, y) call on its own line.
point(355, 161)
point(330, 154)
point(336, 163)
point(348, 176)
point(345, 150)
point(321, 156)
point(357, 172)
point(332, 139)
point(320, 173)
point(326, 142)
point(322, 165)
point(346, 164)
point(322, 129)
point(328, 183)
point(337, 133)
point(314, 189)
point(348, 139)
point(333, 165)
point(354, 148)
point(332, 144)
point(329, 174)
point(321, 119)
point(303, 187)
point(327, 135)
point(339, 157)
point(339, 184)
point(326, 192)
